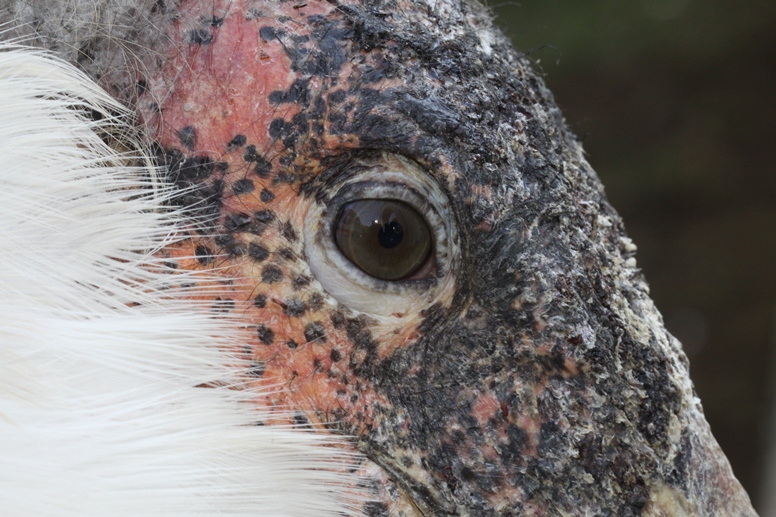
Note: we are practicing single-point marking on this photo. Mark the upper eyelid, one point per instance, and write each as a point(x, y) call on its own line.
point(361, 190)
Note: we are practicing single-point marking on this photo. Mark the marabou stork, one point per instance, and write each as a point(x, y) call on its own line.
point(335, 258)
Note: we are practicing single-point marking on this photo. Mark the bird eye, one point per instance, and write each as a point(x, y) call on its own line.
point(385, 238)
point(380, 236)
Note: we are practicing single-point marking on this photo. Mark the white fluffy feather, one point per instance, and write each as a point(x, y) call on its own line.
point(100, 350)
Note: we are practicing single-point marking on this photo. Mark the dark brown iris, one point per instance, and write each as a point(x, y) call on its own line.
point(385, 238)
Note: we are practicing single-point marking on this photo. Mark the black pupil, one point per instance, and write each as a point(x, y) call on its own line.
point(390, 235)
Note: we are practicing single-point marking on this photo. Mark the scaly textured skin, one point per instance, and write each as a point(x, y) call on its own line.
point(545, 384)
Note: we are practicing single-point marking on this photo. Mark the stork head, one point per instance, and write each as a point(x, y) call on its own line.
point(424, 258)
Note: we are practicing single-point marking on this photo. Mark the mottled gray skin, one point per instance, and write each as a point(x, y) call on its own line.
point(548, 385)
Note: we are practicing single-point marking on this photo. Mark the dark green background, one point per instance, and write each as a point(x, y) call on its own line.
point(674, 102)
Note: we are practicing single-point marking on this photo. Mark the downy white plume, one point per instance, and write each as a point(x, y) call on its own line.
point(101, 348)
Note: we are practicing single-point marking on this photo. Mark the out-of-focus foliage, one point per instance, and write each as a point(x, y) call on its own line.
point(674, 100)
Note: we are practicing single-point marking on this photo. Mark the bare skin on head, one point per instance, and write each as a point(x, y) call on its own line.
point(542, 382)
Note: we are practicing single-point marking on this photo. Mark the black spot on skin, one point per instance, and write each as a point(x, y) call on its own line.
point(229, 245)
point(338, 320)
point(251, 153)
point(335, 355)
point(242, 222)
point(458, 438)
point(256, 369)
point(315, 332)
point(237, 222)
point(286, 254)
point(337, 123)
point(300, 120)
point(188, 137)
point(375, 509)
point(288, 232)
point(142, 87)
point(257, 252)
point(216, 21)
point(190, 169)
point(260, 301)
point(358, 332)
point(279, 128)
point(467, 474)
point(236, 142)
point(298, 93)
point(262, 168)
point(337, 96)
point(294, 308)
point(243, 186)
point(266, 334)
point(269, 33)
point(316, 301)
point(292, 344)
point(300, 282)
point(271, 274)
point(319, 109)
point(204, 255)
point(301, 420)
point(265, 216)
point(330, 37)
point(200, 37)
point(266, 196)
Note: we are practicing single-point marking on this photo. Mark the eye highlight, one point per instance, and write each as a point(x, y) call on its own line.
point(385, 238)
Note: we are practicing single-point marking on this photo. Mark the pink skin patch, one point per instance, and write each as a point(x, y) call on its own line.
point(219, 95)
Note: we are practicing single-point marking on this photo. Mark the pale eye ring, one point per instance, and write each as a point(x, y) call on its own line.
point(381, 238)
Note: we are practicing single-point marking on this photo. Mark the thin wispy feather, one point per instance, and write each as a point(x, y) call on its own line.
point(101, 345)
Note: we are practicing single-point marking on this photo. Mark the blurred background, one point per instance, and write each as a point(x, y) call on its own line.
point(674, 102)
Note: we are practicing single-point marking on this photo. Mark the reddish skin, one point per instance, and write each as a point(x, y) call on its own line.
point(222, 89)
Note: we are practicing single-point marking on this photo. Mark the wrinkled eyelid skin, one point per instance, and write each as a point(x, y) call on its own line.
point(386, 176)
